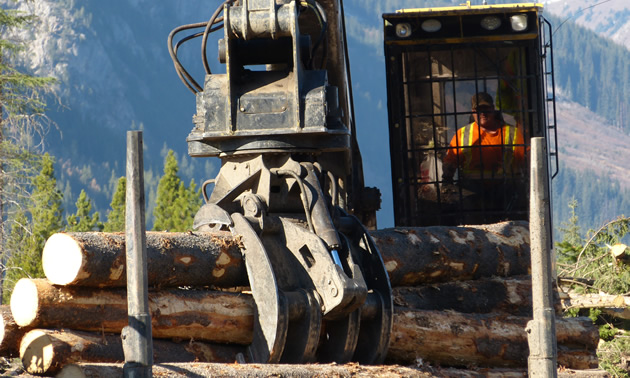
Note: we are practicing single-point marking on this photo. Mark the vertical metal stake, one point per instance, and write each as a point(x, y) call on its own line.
point(136, 337)
point(541, 331)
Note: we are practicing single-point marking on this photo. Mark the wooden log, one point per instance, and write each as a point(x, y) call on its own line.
point(10, 334)
point(433, 331)
point(511, 295)
point(412, 256)
point(200, 315)
point(45, 351)
point(441, 254)
point(174, 259)
point(455, 339)
point(572, 299)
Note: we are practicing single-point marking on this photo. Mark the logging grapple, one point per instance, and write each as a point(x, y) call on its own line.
point(291, 182)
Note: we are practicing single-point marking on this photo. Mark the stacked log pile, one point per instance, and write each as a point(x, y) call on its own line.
point(461, 294)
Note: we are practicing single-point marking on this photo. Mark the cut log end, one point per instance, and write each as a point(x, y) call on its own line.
point(36, 352)
point(24, 302)
point(62, 259)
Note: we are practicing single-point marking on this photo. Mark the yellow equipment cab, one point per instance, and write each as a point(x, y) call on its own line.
point(467, 87)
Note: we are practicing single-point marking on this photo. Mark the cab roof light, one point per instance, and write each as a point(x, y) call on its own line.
point(519, 22)
point(431, 25)
point(403, 30)
point(490, 23)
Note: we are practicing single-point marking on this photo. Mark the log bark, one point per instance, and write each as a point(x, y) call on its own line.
point(416, 256)
point(10, 333)
point(186, 314)
point(412, 256)
point(508, 295)
point(571, 299)
point(174, 259)
point(45, 351)
point(455, 339)
point(435, 336)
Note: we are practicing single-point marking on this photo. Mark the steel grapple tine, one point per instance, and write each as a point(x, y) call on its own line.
point(339, 339)
point(271, 316)
point(378, 309)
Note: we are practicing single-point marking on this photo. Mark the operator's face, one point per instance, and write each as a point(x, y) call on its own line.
point(485, 116)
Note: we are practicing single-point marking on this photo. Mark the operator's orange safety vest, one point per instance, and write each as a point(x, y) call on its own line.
point(479, 153)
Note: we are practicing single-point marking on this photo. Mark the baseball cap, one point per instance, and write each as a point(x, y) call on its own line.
point(480, 99)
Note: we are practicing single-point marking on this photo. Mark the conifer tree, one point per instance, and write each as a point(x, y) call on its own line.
point(572, 241)
point(175, 204)
point(164, 213)
point(116, 215)
point(21, 119)
point(27, 237)
point(82, 221)
point(18, 264)
point(46, 209)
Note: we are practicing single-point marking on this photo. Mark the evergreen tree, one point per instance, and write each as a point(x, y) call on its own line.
point(82, 221)
point(21, 119)
point(18, 264)
point(116, 215)
point(27, 239)
point(572, 241)
point(188, 201)
point(175, 204)
point(46, 210)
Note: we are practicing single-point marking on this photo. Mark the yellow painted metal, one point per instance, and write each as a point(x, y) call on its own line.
point(468, 9)
point(491, 38)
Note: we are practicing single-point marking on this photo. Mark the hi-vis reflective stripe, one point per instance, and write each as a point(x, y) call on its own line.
point(509, 140)
point(467, 141)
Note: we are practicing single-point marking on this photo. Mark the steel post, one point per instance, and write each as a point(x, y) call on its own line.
point(541, 331)
point(137, 339)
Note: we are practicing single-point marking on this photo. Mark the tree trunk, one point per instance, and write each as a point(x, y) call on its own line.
point(571, 299)
point(10, 333)
point(97, 259)
point(455, 339)
point(45, 351)
point(509, 295)
point(186, 314)
point(412, 256)
point(440, 254)
point(435, 336)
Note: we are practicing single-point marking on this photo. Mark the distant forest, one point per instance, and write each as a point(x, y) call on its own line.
point(592, 71)
point(599, 199)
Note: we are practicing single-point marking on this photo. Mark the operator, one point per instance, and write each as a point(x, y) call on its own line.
point(485, 153)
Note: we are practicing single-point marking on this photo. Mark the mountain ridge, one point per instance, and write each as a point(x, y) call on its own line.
point(116, 75)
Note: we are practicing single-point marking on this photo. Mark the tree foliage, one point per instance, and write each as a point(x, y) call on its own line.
point(116, 214)
point(22, 126)
point(588, 265)
point(82, 221)
point(29, 234)
point(594, 261)
point(176, 204)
